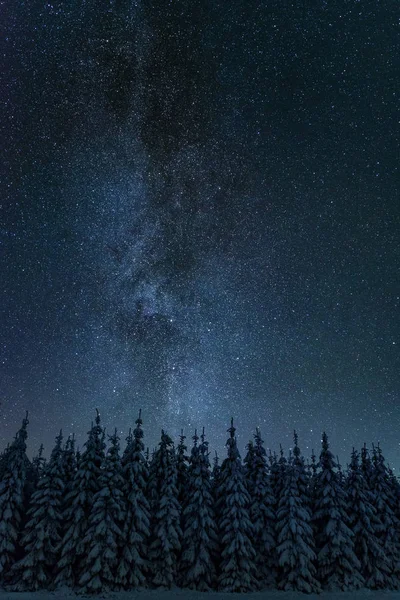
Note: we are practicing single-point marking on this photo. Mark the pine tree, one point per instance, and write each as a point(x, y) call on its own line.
point(104, 539)
point(153, 491)
point(217, 506)
point(278, 469)
point(3, 461)
point(385, 504)
point(365, 524)
point(261, 511)
point(296, 547)
point(85, 485)
point(182, 461)
point(199, 541)
point(338, 566)
point(133, 565)
point(69, 463)
point(248, 461)
point(34, 471)
point(166, 531)
point(41, 536)
point(367, 468)
point(237, 568)
point(12, 499)
point(38, 464)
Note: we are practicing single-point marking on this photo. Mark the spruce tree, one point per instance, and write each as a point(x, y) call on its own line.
point(365, 524)
point(217, 505)
point(12, 499)
point(182, 461)
point(237, 568)
point(69, 463)
point(153, 482)
point(277, 474)
point(85, 484)
point(38, 464)
point(166, 531)
point(261, 511)
point(338, 566)
point(295, 540)
point(199, 541)
point(385, 504)
point(133, 565)
point(41, 536)
point(3, 461)
point(104, 539)
point(248, 461)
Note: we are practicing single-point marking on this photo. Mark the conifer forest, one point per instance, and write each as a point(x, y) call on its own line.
point(108, 518)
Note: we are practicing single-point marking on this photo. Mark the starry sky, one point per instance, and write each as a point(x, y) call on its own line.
point(200, 217)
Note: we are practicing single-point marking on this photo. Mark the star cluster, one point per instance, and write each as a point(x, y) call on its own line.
point(200, 218)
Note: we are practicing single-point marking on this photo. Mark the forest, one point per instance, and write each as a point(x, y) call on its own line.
point(101, 520)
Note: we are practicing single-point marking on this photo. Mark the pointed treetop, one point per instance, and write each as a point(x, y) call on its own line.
point(231, 429)
point(203, 436)
point(195, 438)
point(97, 417)
point(139, 419)
point(182, 438)
point(295, 438)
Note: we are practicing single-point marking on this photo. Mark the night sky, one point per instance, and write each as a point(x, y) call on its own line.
point(200, 217)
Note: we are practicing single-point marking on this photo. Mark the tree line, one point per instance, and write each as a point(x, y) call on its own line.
point(97, 520)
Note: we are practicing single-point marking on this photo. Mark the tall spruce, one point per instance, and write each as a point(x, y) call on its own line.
point(38, 464)
point(41, 535)
point(337, 564)
point(237, 567)
point(133, 565)
point(12, 499)
point(166, 530)
point(261, 511)
point(365, 524)
point(385, 503)
point(69, 463)
point(85, 484)
point(199, 541)
point(104, 539)
point(295, 539)
point(182, 463)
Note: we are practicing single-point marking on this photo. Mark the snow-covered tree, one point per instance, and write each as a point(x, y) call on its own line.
point(338, 566)
point(295, 539)
point(153, 491)
point(277, 468)
point(182, 462)
point(365, 525)
point(248, 461)
point(69, 463)
point(3, 461)
point(12, 499)
point(165, 531)
point(237, 567)
point(41, 535)
point(132, 568)
point(104, 539)
point(38, 464)
point(199, 541)
point(85, 484)
point(261, 511)
point(385, 503)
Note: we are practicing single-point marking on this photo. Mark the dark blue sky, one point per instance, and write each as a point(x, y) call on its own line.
point(200, 217)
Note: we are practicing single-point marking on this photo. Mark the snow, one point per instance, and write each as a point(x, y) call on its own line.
point(178, 594)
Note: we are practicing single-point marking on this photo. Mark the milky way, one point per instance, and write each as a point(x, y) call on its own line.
point(201, 219)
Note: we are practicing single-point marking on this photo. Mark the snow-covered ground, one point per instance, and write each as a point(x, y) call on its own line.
point(179, 594)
